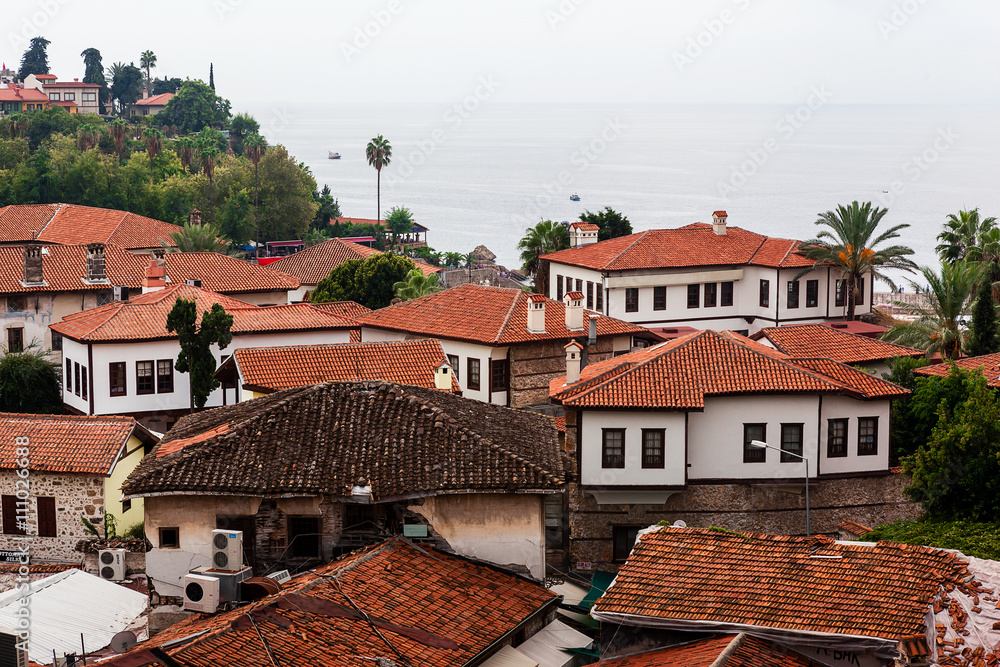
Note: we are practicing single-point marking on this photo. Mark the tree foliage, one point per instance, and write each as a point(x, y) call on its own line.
point(967, 236)
point(612, 223)
point(985, 336)
point(196, 106)
point(93, 72)
point(416, 285)
point(35, 59)
point(126, 85)
point(399, 221)
point(196, 343)
point(370, 282)
point(165, 85)
point(379, 155)
point(286, 205)
point(242, 125)
point(977, 539)
point(147, 61)
point(544, 237)
point(205, 237)
point(329, 208)
point(29, 382)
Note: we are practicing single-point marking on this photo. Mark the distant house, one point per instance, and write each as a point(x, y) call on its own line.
point(71, 224)
point(505, 345)
point(76, 468)
point(416, 238)
point(150, 106)
point(16, 99)
point(74, 96)
point(706, 276)
point(310, 473)
point(818, 340)
point(987, 364)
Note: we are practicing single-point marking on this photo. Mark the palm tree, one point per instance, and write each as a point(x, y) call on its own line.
point(850, 245)
point(208, 154)
point(185, 151)
point(118, 129)
point(154, 144)
point(253, 148)
point(205, 237)
point(18, 123)
point(965, 235)
point(544, 237)
point(87, 136)
point(379, 154)
point(147, 61)
point(936, 324)
point(416, 285)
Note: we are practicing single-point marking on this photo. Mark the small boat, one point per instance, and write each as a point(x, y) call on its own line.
point(334, 156)
point(574, 197)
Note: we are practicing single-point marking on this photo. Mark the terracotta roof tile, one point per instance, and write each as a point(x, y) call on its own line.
point(63, 269)
point(412, 362)
point(19, 224)
point(319, 439)
point(22, 95)
point(869, 386)
point(817, 340)
point(988, 364)
point(156, 100)
point(316, 262)
point(854, 528)
point(70, 224)
point(348, 309)
point(223, 274)
point(489, 315)
point(65, 443)
point(745, 651)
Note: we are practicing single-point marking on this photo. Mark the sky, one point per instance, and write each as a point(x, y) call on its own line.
point(544, 51)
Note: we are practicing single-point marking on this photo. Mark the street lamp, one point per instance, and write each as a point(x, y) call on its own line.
point(757, 444)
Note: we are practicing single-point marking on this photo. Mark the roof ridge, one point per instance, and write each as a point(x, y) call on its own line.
point(640, 236)
point(728, 652)
point(848, 367)
point(48, 222)
point(506, 320)
point(790, 364)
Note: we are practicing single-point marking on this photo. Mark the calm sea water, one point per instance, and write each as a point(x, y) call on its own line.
point(483, 175)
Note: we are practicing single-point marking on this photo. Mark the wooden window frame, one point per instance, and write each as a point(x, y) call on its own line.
point(631, 299)
point(159, 385)
point(860, 301)
point(694, 296)
point(69, 376)
point(754, 454)
point(76, 378)
point(864, 447)
point(651, 460)
point(622, 541)
point(612, 461)
point(292, 552)
point(559, 288)
point(792, 298)
point(590, 295)
point(47, 521)
point(151, 389)
point(726, 294)
point(812, 293)
point(83, 382)
point(498, 380)
point(600, 298)
point(8, 513)
point(454, 362)
point(840, 449)
point(765, 293)
point(474, 373)
point(840, 292)
point(788, 458)
point(118, 369)
point(660, 297)
point(15, 339)
point(711, 289)
point(175, 543)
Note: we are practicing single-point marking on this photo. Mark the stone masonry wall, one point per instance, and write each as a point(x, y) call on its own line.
point(533, 366)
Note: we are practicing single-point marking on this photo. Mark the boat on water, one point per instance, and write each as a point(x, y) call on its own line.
point(334, 156)
point(574, 197)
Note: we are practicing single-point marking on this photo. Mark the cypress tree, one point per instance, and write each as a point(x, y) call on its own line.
point(211, 76)
point(985, 337)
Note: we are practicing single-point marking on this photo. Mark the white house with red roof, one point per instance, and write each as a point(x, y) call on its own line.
point(150, 105)
point(818, 340)
point(706, 276)
point(74, 96)
point(72, 224)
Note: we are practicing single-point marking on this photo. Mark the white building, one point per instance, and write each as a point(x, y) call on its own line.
point(705, 276)
point(831, 342)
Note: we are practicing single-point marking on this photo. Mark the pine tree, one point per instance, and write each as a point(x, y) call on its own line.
point(985, 337)
point(35, 60)
point(196, 345)
point(211, 76)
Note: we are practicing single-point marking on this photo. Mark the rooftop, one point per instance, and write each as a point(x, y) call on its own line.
point(223, 274)
point(156, 100)
point(70, 224)
point(372, 221)
point(818, 340)
point(987, 364)
point(488, 315)
point(348, 309)
point(316, 262)
point(740, 650)
point(22, 95)
point(320, 439)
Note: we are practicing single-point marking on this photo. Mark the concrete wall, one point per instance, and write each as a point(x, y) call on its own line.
point(500, 528)
point(633, 474)
point(844, 407)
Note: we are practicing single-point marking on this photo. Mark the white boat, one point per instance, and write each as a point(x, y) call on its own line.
point(334, 156)
point(574, 197)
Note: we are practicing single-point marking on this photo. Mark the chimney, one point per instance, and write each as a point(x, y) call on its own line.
point(96, 269)
point(33, 265)
point(536, 313)
point(573, 350)
point(155, 277)
point(195, 217)
point(719, 223)
point(145, 93)
point(582, 233)
point(442, 376)
point(574, 310)
point(193, 282)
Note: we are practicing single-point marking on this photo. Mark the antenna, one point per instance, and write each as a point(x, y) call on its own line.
point(123, 641)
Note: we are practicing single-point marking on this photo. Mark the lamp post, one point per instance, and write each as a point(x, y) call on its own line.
point(757, 444)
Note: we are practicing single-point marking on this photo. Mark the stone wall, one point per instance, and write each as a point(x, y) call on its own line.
point(533, 366)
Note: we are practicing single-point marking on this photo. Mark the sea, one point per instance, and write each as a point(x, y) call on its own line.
point(481, 173)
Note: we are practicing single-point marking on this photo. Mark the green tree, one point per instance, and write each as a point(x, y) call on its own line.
point(205, 237)
point(196, 106)
point(315, 237)
point(147, 61)
point(416, 285)
point(154, 144)
point(29, 382)
point(93, 72)
point(165, 85)
point(329, 208)
point(36, 59)
point(850, 245)
point(126, 85)
point(211, 76)
point(612, 223)
point(186, 149)
point(399, 221)
point(118, 129)
point(985, 336)
point(957, 474)
point(286, 203)
point(545, 237)
point(196, 343)
point(907, 429)
point(208, 155)
point(370, 282)
point(88, 136)
point(453, 259)
point(241, 127)
point(965, 235)
point(379, 154)
point(340, 285)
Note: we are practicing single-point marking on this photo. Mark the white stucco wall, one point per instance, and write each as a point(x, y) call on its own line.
point(845, 407)
point(576, 273)
point(263, 298)
point(672, 474)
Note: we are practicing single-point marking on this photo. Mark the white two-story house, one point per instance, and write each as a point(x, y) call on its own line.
point(704, 276)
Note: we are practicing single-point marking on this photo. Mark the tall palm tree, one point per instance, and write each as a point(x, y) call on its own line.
point(154, 144)
point(965, 235)
point(208, 154)
point(545, 237)
point(205, 237)
point(118, 129)
point(850, 245)
point(148, 61)
point(18, 123)
point(379, 154)
point(936, 324)
point(254, 146)
point(185, 151)
point(416, 285)
point(87, 136)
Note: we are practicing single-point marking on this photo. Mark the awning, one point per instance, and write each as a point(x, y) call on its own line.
point(553, 645)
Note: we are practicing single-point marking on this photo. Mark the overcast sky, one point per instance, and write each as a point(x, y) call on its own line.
point(660, 51)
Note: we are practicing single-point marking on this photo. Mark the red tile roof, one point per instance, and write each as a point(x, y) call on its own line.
point(693, 245)
point(66, 443)
point(412, 362)
point(436, 609)
point(854, 528)
point(488, 315)
point(371, 221)
point(858, 327)
point(225, 275)
point(987, 364)
point(145, 317)
point(348, 309)
point(22, 223)
point(22, 95)
point(70, 224)
point(585, 226)
point(743, 651)
point(156, 100)
point(685, 578)
point(316, 262)
point(817, 340)
point(63, 269)
point(679, 374)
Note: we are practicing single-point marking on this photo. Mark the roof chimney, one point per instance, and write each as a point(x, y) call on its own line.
point(536, 313)
point(33, 265)
point(442, 376)
point(155, 277)
point(573, 350)
point(195, 217)
point(145, 93)
point(574, 310)
point(96, 268)
point(719, 223)
point(582, 233)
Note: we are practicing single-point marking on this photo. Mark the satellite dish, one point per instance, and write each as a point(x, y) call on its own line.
point(123, 641)
point(679, 524)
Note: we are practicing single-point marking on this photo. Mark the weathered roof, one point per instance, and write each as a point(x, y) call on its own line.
point(225, 275)
point(740, 650)
point(436, 609)
point(488, 315)
point(316, 262)
point(406, 440)
point(72, 224)
point(818, 340)
point(987, 364)
point(348, 309)
point(64, 269)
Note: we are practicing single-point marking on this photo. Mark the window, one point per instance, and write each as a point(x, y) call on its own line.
point(867, 436)
point(69, 375)
point(753, 432)
point(15, 303)
point(624, 540)
point(711, 289)
point(660, 298)
point(83, 382)
point(76, 376)
point(104, 297)
point(812, 293)
point(126, 505)
point(54, 97)
point(579, 285)
point(765, 293)
point(56, 342)
point(498, 374)
point(793, 294)
point(116, 375)
point(144, 383)
point(726, 296)
point(860, 301)
point(600, 298)
point(839, 296)
point(165, 376)
point(46, 516)
point(836, 438)
point(791, 441)
point(613, 448)
point(559, 288)
point(170, 538)
point(15, 339)
point(694, 295)
point(453, 362)
point(474, 374)
point(631, 299)
point(89, 97)
point(69, 97)
point(590, 295)
point(304, 536)
point(652, 447)
point(8, 508)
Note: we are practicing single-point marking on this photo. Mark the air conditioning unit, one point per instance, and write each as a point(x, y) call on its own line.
point(201, 593)
point(111, 563)
point(229, 581)
point(227, 550)
point(281, 576)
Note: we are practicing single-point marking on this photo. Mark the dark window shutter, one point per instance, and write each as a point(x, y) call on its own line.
point(47, 517)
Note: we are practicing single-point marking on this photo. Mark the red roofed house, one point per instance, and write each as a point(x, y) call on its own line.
point(76, 468)
point(819, 340)
point(71, 224)
point(74, 96)
point(987, 364)
point(119, 358)
point(152, 105)
point(503, 344)
point(706, 276)
point(16, 99)
point(664, 434)
point(416, 238)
